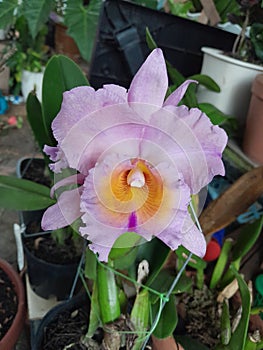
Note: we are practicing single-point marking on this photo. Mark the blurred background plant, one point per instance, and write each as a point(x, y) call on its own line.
point(249, 44)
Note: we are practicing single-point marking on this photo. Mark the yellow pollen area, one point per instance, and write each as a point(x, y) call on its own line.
point(144, 195)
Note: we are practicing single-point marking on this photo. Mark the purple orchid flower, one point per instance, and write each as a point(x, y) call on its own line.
point(138, 159)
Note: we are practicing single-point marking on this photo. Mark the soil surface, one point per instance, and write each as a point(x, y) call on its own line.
point(8, 303)
point(67, 328)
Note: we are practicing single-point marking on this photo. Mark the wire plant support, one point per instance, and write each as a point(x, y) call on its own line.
point(163, 297)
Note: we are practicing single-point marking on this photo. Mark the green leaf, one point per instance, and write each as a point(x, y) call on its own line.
point(126, 261)
point(256, 37)
point(180, 8)
point(168, 318)
point(94, 317)
point(196, 262)
point(61, 74)
point(251, 345)
point(7, 9)
point(35, 119)
point(163, 282)
point(90, 265)
point(149, 40)
point(20, 194)
point(215, 115)
point(124, 244)
point(225, 324)
point(82, 24)
point(148, 251)
point(247, 238)
point(107, 293)
point(221, 263)
point(238, 338)
point(177, 78)
point(206, 81)
point(140, 316)
point(37, 13)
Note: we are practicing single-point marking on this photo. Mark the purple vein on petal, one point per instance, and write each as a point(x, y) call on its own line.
point(132, 221)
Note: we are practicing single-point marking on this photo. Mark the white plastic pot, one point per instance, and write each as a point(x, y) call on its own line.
point(234, 77)
point(31, 81)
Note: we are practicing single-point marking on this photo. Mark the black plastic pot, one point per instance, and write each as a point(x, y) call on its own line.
point(121, 46)
point(46, 279)
point(79, 301)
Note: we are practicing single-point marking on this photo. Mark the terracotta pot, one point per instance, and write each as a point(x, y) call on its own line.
point(9, 340)
point(64, 44)
point(165, 344)
point(253, 135)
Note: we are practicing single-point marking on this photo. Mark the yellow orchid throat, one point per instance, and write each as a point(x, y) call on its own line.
point(137, 189)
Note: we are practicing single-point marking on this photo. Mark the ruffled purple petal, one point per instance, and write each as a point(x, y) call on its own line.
point(150, 83)
point(192, 142)
point(57, 156)
point(77, 179)
point(178, 94)
point(64, 212)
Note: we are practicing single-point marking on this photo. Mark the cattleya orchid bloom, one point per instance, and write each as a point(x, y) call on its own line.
point(138, 159)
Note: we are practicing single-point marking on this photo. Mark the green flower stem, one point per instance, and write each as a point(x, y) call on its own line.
point(108, 294)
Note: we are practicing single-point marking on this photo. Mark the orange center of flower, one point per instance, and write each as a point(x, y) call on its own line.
point(138, 189)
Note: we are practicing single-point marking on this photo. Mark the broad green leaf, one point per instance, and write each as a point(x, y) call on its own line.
point(124, 244)
point(168, 319)
point(126, 261)
point(107, 293)
point(82, 24)
point(35, 119)
point(206, 81)
point(140, 316)
point(7, 9)
point(37, 13)
point(156, 253)
point(20, 194)
point(163, 282)
point(215, 115)
point(61, 74)
point(247, 238)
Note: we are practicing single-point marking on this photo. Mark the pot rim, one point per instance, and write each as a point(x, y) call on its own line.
point(219, 54)
point(10, 338)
